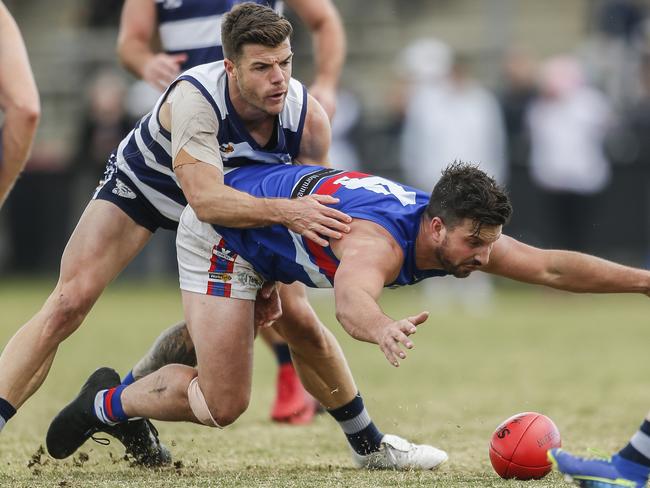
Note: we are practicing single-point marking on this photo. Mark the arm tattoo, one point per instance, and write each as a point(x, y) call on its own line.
point(174, 345)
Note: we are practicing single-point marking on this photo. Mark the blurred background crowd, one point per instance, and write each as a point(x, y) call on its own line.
point(552, 98)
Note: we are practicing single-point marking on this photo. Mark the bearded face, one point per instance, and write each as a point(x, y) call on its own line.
point(463, 251)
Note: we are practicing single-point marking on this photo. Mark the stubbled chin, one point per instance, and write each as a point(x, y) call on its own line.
point(463, 273)
point(274, 109)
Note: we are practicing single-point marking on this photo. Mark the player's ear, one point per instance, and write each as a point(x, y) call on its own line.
point(230, 67)
point(437, 229)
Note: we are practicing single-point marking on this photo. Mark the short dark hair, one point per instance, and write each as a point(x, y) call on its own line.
point(466, 192)
point(251, 23)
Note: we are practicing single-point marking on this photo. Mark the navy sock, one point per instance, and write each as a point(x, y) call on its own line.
point(6, 412)
point(128, 379)
point(638, 449)
point(282, 353)
point(362, 434)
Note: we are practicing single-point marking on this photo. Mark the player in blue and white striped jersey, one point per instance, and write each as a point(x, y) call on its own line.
point(175, 156)
point(189, 35)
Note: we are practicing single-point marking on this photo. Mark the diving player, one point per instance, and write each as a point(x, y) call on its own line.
point(398, 236)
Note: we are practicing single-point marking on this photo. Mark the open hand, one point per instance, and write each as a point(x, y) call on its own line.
point(396, 334)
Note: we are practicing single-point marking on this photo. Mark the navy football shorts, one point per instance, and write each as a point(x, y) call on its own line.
point(117, 188)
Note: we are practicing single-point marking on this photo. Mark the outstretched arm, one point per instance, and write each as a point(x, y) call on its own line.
point(370, 259)
point(564, 270)
point(19, 102)
point(328, 37)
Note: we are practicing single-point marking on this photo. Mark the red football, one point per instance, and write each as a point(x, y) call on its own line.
point(518, 446)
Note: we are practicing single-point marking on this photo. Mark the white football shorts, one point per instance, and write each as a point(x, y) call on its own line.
point(207, 266)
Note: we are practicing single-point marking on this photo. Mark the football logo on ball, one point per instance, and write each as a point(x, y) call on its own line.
point(518, 446)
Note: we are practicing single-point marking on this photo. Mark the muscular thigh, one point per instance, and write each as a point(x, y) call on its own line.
point(103, 243)
point(298, 316)
point(222, 332)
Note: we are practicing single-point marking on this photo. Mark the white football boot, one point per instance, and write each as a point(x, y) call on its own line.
point(400, 454)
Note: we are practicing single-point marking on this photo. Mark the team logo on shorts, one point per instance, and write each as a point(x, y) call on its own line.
point(121, 190)
point(249, 280)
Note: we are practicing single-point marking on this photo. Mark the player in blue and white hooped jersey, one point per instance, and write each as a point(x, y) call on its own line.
point(193, 28)
point(189, 33)
point(142, 163)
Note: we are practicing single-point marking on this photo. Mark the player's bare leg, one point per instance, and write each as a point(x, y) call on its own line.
point(316, 353)
point(324, 371)
point(174, 345)
point(216, 393)
point(292, 403)
point(104, 241)
point(223, 334)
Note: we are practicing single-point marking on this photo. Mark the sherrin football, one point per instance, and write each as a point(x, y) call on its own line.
point(518, 446)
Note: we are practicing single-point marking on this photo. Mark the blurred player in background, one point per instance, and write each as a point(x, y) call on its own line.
point(189, 34)
point(19, 102)
point(399, 236)
point(628, 467)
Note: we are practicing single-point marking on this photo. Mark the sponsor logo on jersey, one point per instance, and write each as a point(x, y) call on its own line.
point(121, 190)
point(226, 148)
point(308, 182)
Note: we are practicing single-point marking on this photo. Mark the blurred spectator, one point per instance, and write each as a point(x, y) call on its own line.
point(614, 52)
point(39, 211)
point(568, 124)
point(638, 118)
point(104, 124)
point(449, 116)
point(343, 151)
point(101, 13)
point(517, 93)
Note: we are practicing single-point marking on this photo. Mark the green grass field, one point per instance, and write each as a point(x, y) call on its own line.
point(582, 360)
